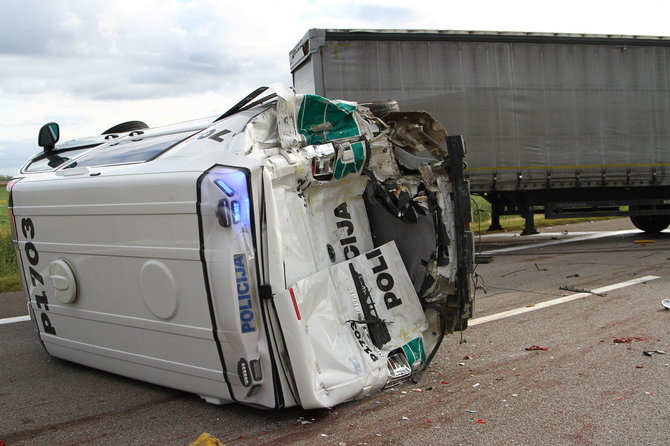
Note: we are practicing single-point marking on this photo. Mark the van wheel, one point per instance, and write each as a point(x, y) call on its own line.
point(651, 223)
point(381, 108)
point(126, 127)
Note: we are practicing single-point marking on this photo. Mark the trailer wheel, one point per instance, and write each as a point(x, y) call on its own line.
point(651, 223)
point(381, 108)
point(126, 127)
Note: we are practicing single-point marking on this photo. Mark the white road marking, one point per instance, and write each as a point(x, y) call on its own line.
point(11, 320)
point(559, 300)
point(492, 317)
point(590, 236)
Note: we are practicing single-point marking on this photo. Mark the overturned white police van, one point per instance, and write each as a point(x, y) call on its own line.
point(293, 251)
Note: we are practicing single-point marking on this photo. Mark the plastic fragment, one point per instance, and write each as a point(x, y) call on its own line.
point(461, 363)
point(639, 366)
point(204, 439)
point(405, 419)
point(444, 382)
point(536, 347)
point(481, 421)
point(651, 352)
point(470, 410)
point(303, 421)
point(324, 435)
point(467, 357)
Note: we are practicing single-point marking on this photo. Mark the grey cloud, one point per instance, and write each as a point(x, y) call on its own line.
point(386, 16)
point(83, 48)
point(15, 153)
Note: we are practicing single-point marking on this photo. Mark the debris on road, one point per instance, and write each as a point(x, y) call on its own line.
point(580, 290)
point(481, 421)
point(204, 439)
point(628, 340)
point(666, 303)
point(651, 352)
point(536, 347)
point(303, 421)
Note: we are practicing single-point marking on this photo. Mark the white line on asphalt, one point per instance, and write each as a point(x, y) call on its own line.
point(492, 317)
point(566, 240)
point(560, 300)
point(11, 320)
point(539, 235)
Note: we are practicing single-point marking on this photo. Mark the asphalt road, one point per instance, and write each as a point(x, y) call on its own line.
point(589, 387)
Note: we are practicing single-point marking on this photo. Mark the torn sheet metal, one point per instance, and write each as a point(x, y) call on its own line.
point(295, 251)
point(341, 325)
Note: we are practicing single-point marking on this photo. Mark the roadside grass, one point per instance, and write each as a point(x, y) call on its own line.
point(9, 273)
point(481, 218)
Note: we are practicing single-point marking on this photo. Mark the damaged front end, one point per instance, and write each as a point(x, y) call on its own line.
point(368, 222)
point(294, 251)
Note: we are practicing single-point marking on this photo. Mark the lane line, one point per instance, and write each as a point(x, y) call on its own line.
point(557, 301)
point(492, 317)
point(11, 320)
point(539, 235)
point(568, 240)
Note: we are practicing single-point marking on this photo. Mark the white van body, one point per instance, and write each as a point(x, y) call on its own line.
point(238, 258)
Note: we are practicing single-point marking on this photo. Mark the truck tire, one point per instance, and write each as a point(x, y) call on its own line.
point(126, 127)
point(381, 108)
point(651, 223)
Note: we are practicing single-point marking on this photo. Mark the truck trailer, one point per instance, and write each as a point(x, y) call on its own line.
point(292, 251)
point(566, 124)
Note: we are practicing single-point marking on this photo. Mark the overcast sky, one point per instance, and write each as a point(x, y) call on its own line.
point(90, 64)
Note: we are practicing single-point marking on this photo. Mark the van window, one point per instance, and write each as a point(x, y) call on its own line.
point(130, 150)
point(54, 159)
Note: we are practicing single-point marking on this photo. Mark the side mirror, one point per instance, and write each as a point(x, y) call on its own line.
point(48, 137)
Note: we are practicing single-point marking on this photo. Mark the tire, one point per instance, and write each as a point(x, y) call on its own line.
point(126, 127)
point(381, 108)
point(652, 224)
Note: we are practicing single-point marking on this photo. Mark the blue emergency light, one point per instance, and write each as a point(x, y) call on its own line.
point(224, 187)
point(237, 211)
